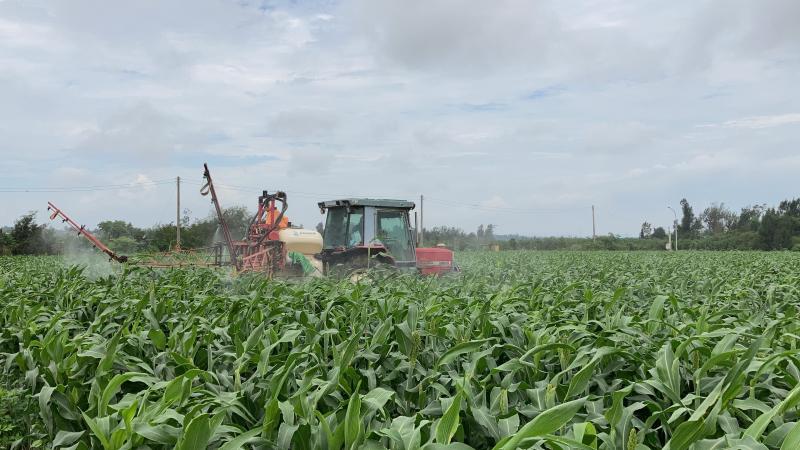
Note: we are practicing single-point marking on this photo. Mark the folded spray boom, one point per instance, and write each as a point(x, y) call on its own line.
point(85, 233)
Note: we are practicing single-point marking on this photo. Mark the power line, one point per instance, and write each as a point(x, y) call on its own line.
point(509, 210)
point(450, 203)
point(104, 187)
point(254, 189)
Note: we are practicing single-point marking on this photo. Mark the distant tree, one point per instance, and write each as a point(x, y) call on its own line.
point(113, 229)
point(768, 229)
point(161, 237)
point(659, 233)
point(453, 237)
point(750, 218)
point(238, 218)
point(488, 233)
point(124, 245)
point(778, 227)
point(646, 231)
point(790, 208)
point(687, 219)
point(512, 243)
point(320, 228)
point(201, 233)
point(186, 219)
point(6, 243)
point(204, 232)
point(729, 218)
point(468, 241)
point(480, 231)
point(28, 236)
point(718, 219)
point(696, 228)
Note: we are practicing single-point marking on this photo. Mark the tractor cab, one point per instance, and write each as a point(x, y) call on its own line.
point(363, 232)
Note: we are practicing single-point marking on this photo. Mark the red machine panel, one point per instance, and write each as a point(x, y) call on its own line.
point(434, 261)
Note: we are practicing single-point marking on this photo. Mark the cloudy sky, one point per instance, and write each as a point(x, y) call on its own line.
point(518, 113)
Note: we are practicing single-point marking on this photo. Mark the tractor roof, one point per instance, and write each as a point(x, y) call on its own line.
point(376, 202)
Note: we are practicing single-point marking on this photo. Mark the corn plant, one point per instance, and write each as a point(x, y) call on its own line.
point(557, 350)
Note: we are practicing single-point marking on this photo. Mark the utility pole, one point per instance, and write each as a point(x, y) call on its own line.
point(421, 222)
point(675, 225)
point(178, 216)
point(594, 230)
point(669, 238)
point(416, 229)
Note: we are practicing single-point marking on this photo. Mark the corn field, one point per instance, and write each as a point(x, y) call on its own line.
point(624, 351)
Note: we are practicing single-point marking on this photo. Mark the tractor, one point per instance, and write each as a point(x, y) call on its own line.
point(359, 234)
point(362, 232)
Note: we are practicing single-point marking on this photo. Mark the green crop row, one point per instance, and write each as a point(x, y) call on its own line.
point(521, 350)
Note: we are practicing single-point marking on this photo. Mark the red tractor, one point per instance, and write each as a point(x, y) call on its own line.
point(360, 232)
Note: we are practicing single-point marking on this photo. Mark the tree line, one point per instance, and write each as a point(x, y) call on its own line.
point(755, 227)
point(27, 237)
point(458, 239)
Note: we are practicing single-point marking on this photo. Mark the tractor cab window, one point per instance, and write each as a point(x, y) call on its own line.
point(392, 230)
point(336, 228)
point(355, 227)
point(343, 229)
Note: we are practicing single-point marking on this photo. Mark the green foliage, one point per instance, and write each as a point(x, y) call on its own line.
point(743, 240)
point(687, 218)
point(778, 227)
point(162, 237)
point(646, 231)
point(749, 218)
point(124, 245)
point(543, 350)
point(114, 229)
point(718, 219)
point(453, 237)
point(6, 243)
point(609, 242)
point(19, 422)
point(28, 238)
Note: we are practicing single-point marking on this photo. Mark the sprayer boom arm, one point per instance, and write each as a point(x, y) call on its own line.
point(208, 188)
point(85, 233)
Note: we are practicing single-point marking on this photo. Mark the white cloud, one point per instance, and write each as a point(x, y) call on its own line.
point(144, 181)
point(495, 201)
point(141, 132)
point(69, 176)
point(449, 35)
point(303, 123)
point(26, 35)
point(758, 122)
point(555, 105)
